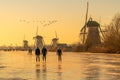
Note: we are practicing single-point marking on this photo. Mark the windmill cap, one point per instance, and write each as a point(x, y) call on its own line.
point(54, 39)
point(92, 24)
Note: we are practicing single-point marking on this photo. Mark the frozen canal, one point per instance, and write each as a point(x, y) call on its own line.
point(74, 66)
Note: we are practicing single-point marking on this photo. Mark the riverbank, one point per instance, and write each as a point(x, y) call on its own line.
point(98, 49)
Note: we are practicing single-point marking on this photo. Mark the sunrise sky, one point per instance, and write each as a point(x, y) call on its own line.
point(21, 17)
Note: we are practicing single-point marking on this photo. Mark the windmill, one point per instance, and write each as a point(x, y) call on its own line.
point(55, 40)
point(90, 32)
point(25, 44)
point(38, 40)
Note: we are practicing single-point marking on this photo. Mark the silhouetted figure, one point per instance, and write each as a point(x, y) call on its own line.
point(44, 52)
point(37, 53)
point(30, 51)
point(59, 53)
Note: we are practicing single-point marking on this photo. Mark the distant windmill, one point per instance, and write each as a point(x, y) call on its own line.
point(91, 36)
point(38, 40)
point(25, 44)
point(55, 40)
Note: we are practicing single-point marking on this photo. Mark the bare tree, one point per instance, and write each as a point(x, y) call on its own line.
point(112, 37)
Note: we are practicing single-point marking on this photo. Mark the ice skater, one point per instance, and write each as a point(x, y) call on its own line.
point(30, 50)
point(37, 53)
point(59, 53)
point(44, 52)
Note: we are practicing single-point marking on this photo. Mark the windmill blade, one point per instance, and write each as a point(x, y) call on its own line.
point(43, 42)
point(84, 27)
point(101, 32)
point(37, 31)
point(84, 35)
point(86, 18)
point(55, 34)
point(83, 30)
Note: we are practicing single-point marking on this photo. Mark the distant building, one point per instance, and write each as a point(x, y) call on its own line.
point(62, 45)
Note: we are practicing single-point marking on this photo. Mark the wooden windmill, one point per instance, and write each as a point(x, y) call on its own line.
point(55, 40)
point(39, 42)
point(90, 32)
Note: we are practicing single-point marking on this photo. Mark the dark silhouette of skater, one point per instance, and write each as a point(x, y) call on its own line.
point(59, 53)
point(37, 53)
point(44, 52)
point(30, 51)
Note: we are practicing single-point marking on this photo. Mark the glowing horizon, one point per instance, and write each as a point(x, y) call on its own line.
point(70, 16)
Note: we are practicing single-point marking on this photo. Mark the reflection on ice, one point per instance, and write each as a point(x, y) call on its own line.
point(74, 66)
point(41, 71)
point(59, 72)
point(2, 66)
point(44, 71)
point(12, 79)
point(37, 71)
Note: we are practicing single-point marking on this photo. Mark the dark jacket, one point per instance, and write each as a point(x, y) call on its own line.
point(37, 51)
point(59, 52)
point(44, 51)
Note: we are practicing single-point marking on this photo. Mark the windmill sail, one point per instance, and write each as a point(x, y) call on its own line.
point(84, 28)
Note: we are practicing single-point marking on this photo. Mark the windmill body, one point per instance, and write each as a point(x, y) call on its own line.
point(93, 36)
point(38, 41)
point(54, 42)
